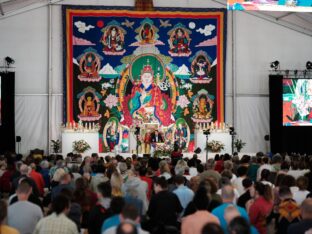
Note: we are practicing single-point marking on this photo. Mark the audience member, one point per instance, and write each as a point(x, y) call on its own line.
point(227, 195)
point(261, 207)
point(194, 223)
point(24, 215)
point(100, 212)
point(305, 225)
point(164, 207)
point(5, 229)
point(57, 222)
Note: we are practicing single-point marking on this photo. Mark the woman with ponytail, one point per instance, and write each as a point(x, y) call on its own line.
point(262, 206)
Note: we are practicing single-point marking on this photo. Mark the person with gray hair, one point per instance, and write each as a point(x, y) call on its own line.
point(136, 188)
point(25, 170)
point(227, 195)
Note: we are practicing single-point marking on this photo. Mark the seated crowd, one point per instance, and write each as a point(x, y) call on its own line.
point(96, 195)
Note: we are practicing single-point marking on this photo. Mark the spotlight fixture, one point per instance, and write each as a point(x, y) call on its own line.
point(295, 72)
point(275, 65)
point(206, 132)
point(137, 131)
point(309, 65)
point(232, 131)
point(8, 60)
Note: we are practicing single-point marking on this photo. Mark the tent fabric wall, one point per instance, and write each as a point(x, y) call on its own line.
point(256, 43)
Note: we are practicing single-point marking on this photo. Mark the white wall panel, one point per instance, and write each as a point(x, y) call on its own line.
point(24, 37)
point(31, 114)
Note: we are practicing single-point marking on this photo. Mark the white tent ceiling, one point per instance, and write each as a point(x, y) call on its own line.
point(298, 21)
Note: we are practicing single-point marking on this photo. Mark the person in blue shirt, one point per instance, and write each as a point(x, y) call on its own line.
point(227, 194)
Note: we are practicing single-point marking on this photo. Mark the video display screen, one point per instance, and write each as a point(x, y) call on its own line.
point(297, 102)
point(270, 5)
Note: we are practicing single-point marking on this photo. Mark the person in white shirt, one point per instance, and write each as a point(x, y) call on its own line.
point(238, 183)
point(301, 194)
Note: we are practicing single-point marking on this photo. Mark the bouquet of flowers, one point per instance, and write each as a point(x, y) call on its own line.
point(163, 150)
point(239, 144)
point(215, 146)
point(80, 146)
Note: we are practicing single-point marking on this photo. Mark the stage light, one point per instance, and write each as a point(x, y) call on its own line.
point(295, 72)
point(206, 132)
point(232, 131)
point(309, 65)
point(137, 131)
point(275, 65)
point(8, 60)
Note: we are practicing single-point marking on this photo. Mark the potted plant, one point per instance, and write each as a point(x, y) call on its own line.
point(56, 146)
point(239, 144)
point(215, 146)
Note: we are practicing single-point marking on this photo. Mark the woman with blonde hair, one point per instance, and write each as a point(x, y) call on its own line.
point(116, 181)
point(164, 170)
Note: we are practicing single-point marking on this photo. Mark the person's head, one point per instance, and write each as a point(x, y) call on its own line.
point(116, 180)
point(227, 173)
point(126, 228)
point(288, 181)
point(104, 190)
point(24, 189)
point(265, 173)
point(228, 165)
point(180, 167)
point(242, 171)
point(200, 168)
point(179, 180)
point(147, 78)
point(303, 183)
point(160, 184)
point(60, 204)
point(227, 194)
point(279, 178)
point(263, 190)
point(130, 212)
point(117, 205)
point(239, 225)
point(24, 169)
point(285, 166)
point(3, 211)
point(265, 160)
point(306, 209)
point(212, 228)
point(284, 192)
point(201, 198)
point(164, 167)
point(81, 184)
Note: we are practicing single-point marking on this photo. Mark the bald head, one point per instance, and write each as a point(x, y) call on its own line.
point(227, 193)
point(306, 209)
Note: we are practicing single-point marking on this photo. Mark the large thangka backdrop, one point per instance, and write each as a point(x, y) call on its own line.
point(126, 68)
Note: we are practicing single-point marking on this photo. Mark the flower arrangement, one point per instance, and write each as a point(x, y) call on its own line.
point(239, 144)
point(215, 146)
point(80, 146)
point(56, 146)
point(163, 150)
